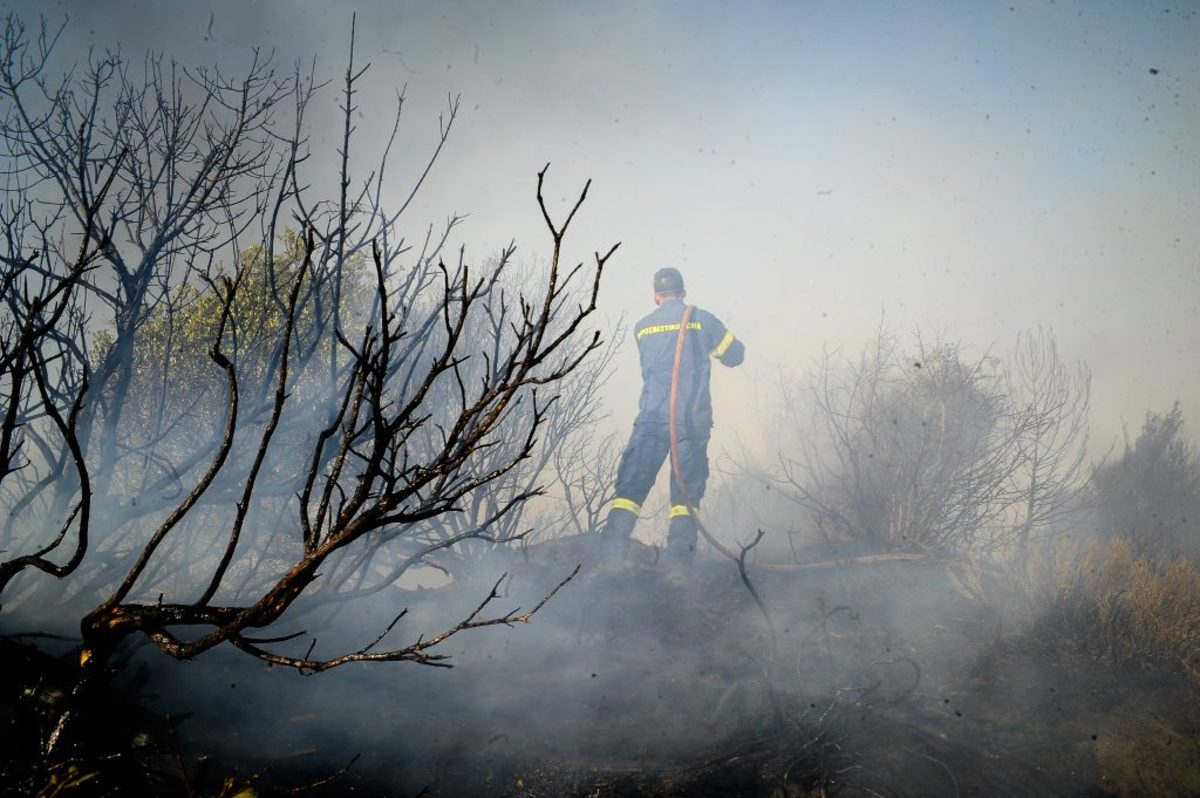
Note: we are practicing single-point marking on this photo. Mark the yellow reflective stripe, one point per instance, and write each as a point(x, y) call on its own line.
point(678, 510)
point(723, 347)
point(658, 328)
point(627, 504)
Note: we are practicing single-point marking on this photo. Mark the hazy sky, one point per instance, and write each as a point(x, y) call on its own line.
point(972, 169)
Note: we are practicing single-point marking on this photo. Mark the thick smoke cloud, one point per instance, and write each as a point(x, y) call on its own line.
point(821, 175)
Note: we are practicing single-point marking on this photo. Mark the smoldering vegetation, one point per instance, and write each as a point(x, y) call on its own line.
point(271, 460)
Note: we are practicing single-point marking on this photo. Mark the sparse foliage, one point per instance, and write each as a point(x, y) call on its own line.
point(931, 452)
point(899, 452)
point(1050, 402)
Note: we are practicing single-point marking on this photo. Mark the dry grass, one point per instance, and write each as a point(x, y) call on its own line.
point(1105, 602)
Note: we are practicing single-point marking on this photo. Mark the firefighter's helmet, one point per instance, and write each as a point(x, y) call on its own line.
point(668, 281)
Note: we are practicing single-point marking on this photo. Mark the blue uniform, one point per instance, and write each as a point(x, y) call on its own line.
point(649, 445)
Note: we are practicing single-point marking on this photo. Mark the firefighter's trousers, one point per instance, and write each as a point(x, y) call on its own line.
point(648, 448)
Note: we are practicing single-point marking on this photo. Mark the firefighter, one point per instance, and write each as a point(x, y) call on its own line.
point(649, 445)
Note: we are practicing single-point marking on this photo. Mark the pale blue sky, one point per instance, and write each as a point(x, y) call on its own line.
point(969, 168)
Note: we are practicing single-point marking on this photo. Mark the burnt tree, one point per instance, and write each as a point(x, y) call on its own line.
point(218, 386)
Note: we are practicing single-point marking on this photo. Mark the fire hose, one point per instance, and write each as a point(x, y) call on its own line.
point(676, 465)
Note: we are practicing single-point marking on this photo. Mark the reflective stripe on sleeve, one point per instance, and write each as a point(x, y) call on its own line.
point(678, 510)
point(723, 347)
point(626, 504)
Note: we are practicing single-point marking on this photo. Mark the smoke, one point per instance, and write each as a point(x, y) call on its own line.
point(804, 168)
point(623, 671)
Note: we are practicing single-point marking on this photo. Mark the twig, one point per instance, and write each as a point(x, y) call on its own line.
point(741, 563)
point(321, 782)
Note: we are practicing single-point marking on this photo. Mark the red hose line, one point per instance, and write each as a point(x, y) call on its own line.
point(676, 467)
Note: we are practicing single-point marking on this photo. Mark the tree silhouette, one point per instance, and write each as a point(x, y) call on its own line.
point(221, 391)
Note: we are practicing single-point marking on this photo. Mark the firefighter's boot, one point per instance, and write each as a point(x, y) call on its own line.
point(615, 537)
point(681, 537)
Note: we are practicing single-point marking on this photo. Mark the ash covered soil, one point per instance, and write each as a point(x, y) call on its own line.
point(868, 680)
